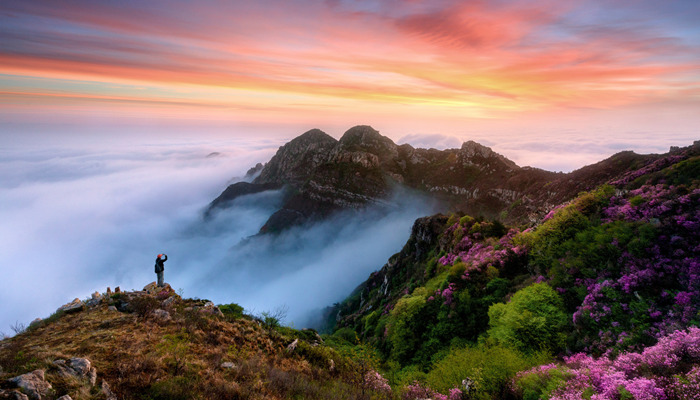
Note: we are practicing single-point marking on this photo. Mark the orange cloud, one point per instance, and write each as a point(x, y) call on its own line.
point(474, 58)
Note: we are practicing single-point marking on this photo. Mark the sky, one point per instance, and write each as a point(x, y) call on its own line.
point(108, 110)
point(621, 74)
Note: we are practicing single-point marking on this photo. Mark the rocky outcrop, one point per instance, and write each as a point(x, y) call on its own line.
point(296, 159)
point(80, 368)
point(237, 190)
point(33, 384)
point(74, 306)
point(12, 395)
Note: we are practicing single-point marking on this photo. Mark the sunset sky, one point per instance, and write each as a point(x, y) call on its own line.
point(494, 71)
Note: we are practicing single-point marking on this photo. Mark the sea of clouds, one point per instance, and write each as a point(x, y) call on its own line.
point(81, 219)
point(81, 215)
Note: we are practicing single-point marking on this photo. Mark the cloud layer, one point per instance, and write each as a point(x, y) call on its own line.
point(80, 220)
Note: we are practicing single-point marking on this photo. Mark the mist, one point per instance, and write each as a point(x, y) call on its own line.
point(79, 219)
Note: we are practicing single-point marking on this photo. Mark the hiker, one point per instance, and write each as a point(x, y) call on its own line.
point(162, 258)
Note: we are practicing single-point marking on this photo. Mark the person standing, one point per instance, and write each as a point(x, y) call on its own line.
point(160, 267)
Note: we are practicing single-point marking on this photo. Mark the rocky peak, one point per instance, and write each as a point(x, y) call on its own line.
point(364, 138)
point(292, 161)
point(474, 153)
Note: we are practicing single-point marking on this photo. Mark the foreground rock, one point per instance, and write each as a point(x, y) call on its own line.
point(33, 384)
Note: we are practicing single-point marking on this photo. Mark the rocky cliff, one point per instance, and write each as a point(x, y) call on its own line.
point(323, 175)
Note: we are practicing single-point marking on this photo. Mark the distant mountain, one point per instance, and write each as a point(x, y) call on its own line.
point(322, 175)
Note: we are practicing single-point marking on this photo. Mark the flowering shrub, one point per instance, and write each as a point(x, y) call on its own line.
point(373, 380)
point(417, 391)
point(654, 286)
point(667, 370)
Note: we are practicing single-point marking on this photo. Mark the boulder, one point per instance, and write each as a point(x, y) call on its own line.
point(210, 308)
point(33, 384)
point(74, 306)
point(12, 395)
point(228, 365)
point(170, 300)
point(112, 308)
point(36, 321)
point(109, 395)
point(78, 367)
point(65, 397)
point(161, 315)
point(153, 289)
point(292, 346)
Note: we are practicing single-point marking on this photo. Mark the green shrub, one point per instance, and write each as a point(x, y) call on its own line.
point(231, 311)
point(491, 368)
point(533, 320)
point(405, 328)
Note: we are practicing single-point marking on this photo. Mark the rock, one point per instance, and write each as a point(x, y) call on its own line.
point(292, 346)
point(76, 305)
point(33, 384)
point(96, 295)
point(210, 308)
point(117, 290)
point(84, 368)
point(12, 395)
point(254, 171)
point(228, 365)
point(109, 291)
point(170, 300)
point(78, 367)
point(152, 288)
point(112, 308)
point(161, 315)
point(65, 397)
point(107, 391)
point(36, 321)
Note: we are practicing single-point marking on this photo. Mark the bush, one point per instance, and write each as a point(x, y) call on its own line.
point(143, 306)
point(231, 311)
point(491, 368)
point(533, 320)
point(405, 328)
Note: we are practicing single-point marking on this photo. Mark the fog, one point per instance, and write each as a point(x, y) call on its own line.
point(77, 220)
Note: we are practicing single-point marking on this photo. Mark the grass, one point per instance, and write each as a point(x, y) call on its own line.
point(142, 357)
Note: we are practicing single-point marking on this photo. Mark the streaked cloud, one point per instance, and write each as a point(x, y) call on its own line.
point(476, 58)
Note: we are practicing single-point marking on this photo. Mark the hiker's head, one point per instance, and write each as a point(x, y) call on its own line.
point(160, 255)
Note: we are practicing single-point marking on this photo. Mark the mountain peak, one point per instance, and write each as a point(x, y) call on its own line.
point(472, 151)
point(313, 136)
point(364, 138)
point(292, 161)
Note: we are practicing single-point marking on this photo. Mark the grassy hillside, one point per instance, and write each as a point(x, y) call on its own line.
point(194, 352)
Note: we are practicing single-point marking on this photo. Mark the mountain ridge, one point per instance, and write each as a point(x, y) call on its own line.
point(322, 175)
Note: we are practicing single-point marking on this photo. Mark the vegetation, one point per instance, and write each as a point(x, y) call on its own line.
point(599, 300)
point(606, 275)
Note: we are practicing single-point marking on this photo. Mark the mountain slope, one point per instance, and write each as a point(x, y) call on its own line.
point(609, 273)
